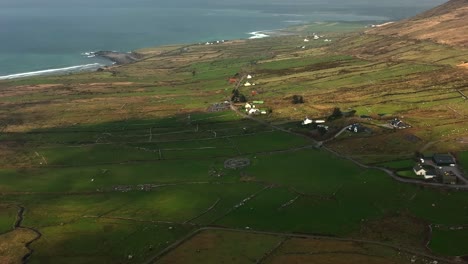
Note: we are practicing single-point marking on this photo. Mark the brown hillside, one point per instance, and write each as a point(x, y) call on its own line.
point(446, 24)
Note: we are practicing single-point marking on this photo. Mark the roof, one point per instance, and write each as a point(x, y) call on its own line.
point(443, 158)
point(418, 167)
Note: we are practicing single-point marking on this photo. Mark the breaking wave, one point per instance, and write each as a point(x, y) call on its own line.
point(79, 68)
point(258, 35)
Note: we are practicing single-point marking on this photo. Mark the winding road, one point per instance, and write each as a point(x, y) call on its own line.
point(320, 144)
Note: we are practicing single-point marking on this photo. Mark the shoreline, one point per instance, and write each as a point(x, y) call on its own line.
point(118, 58)
point(122, 58)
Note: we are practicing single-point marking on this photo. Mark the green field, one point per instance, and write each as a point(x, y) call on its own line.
point(117, 166)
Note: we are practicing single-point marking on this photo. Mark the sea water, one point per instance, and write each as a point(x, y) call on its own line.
point(46, 36)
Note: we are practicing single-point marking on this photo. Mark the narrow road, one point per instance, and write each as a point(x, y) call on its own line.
point(387, 171)
point(336, 135)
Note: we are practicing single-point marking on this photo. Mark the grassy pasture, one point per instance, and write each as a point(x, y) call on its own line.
point(102, 137)
point(7, 218)
point(222, 247)
point(104, 241)
point(12, 245)
point(444, 241)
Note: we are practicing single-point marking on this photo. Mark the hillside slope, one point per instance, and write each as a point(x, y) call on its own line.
point(445, 24)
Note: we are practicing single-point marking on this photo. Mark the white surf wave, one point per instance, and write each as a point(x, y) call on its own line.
point(294, 21)
point(258, 35)
point(86, 67)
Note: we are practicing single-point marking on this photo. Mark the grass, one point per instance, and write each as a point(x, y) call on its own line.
point(12, 247)
point(444, 241)
point(409, 174)
point(297, 250)
point(105, 241)
point(7, 218)
point(398, 164)
point(222, 247)
point(106, 163)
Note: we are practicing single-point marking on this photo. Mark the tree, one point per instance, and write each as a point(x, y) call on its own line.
point(238, 97)
point(336, 114)
point(242, 98)
point(297, 99)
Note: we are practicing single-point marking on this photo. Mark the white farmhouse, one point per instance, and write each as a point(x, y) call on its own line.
point(307, 121)
point(253, 111)
point(425, 171)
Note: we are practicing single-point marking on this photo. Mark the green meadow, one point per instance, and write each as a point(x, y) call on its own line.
point(117, 166)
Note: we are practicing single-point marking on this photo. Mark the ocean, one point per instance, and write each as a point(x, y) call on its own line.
point(52, 36)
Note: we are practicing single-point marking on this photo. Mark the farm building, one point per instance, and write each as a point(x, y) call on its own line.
point(449, 177)
point(247, 84)
point(306, 40)
point(249, 76)
point(366, 117)
point(217, 107)
point(248, 106)
point(232, 80)
point(427, 171)
point(443, 160)
point(397, 123)
point(253, 111)
point(356, 128)
point(307, 121)
point(325, 127)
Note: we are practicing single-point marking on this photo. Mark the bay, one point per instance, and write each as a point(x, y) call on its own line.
point(51, 34)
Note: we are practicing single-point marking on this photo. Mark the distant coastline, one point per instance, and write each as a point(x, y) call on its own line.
point(117, 58)
point(120, 58)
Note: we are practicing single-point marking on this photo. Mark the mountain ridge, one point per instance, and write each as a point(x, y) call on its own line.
point(444, 24)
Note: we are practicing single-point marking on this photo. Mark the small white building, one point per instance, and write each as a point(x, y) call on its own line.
point(306, 40)
point(319, 121)
point(249, 76)
point(307, 121)
point(316, 37)
point(247, 84)
point(248, 106)
point(426, 173)
point(419, 170)
point(253, 111)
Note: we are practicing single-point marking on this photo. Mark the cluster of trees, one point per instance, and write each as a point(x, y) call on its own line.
point(297, 99)
point(237, 97)
point(337, 113)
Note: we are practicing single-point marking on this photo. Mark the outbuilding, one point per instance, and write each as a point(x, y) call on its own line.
point(443, 160)
point(449, 178)
point(307, 121)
